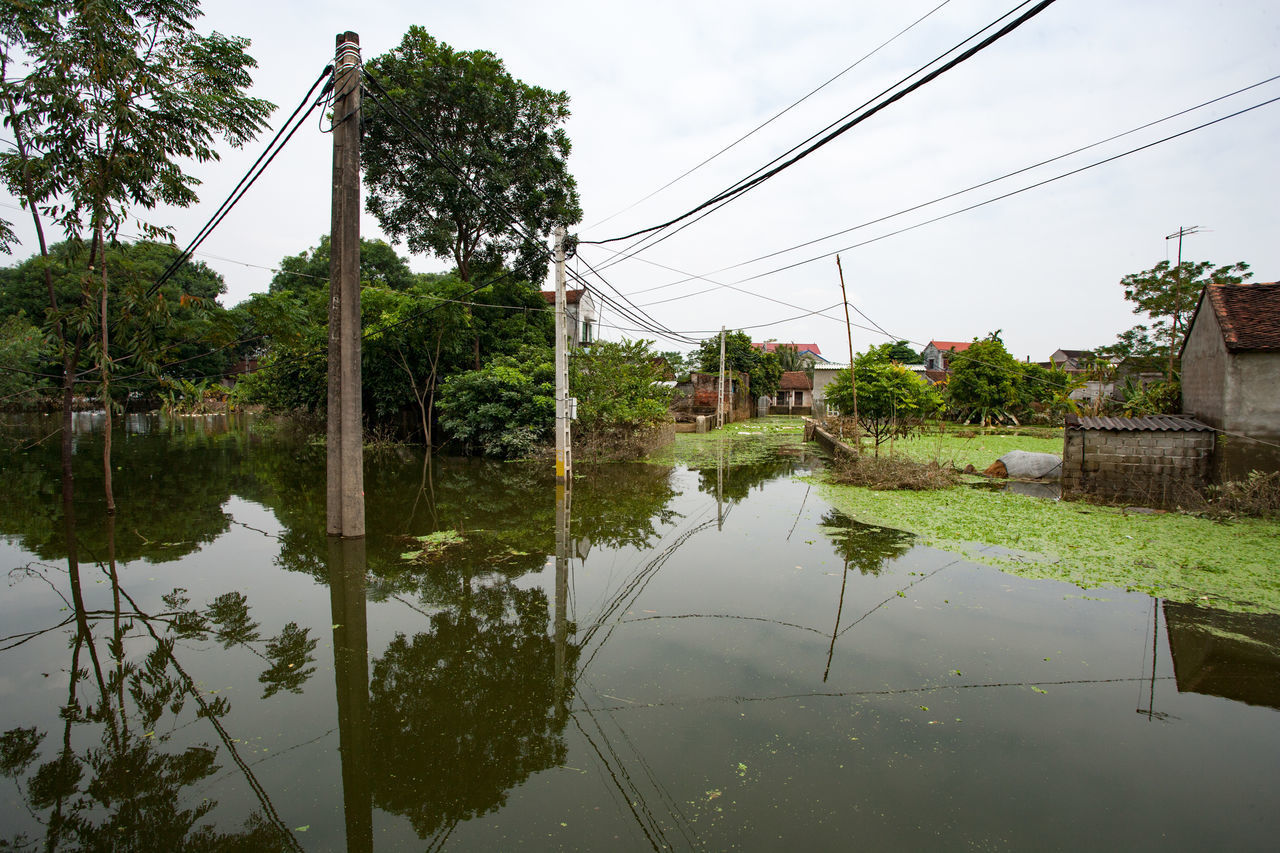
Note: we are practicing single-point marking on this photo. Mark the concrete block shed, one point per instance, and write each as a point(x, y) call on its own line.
point(1155, 461)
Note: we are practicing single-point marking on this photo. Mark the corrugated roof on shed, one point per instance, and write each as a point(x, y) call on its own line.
point(1151, 423)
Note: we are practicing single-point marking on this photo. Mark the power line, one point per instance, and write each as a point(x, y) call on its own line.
point(764, 173)
point(950, 195)
point(274, 147)
point(780, 113)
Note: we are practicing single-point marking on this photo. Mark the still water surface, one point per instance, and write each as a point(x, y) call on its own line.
point(725, 663)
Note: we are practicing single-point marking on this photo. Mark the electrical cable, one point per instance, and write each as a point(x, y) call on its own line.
point(951, 195)
point(778, 114)
point(746, 184)
point(248, 179)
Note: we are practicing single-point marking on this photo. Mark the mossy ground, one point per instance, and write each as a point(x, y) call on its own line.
point(1232, 565)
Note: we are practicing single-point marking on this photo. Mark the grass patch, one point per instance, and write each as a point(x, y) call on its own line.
point(976, 447)
point(1230, 565)
point(892, 472)
point(740, 443)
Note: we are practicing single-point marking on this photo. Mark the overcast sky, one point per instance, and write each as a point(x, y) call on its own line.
point(658, 87)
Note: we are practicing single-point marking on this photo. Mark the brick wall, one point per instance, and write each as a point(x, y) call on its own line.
point(1155, 468)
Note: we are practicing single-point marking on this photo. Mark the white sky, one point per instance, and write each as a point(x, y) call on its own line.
point(658, 87)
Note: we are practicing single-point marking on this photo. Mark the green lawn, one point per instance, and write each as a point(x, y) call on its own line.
point(978, 448)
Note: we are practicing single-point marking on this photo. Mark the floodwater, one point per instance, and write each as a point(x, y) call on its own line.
point(713, 659)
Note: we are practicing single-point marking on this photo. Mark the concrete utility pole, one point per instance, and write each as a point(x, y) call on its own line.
point(720, 385)
point(564, 542)
point(564, 447)
point(345, 498)
point(1177, 291)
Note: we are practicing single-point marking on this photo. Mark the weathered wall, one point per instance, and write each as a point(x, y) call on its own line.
point(1252, 395)
point(1204, 369)
point(1156, 467)
point(699, 396)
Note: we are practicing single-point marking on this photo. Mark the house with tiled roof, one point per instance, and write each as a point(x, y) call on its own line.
point(937, 354)
point(795, 394)
point(1231, 366)
point(809, 353)
point(580, 313)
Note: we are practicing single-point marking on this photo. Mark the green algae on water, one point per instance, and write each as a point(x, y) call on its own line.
point(1228, 565)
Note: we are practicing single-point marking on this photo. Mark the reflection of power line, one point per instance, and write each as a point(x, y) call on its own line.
point(679, 819)
point(839, 694)
point(631, 795)
point(896, 595)
point(632, 591)
point(724, 616)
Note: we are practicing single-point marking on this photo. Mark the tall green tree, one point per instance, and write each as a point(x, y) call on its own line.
point(984, 382)
point(105, 101)
point(892, 402)
point(1167, 294)
point(307, 271)
point(464, 155)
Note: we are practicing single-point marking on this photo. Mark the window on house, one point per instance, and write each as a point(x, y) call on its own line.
point(586, 331)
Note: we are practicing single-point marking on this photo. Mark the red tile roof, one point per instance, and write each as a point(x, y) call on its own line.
point(571, 297)
point(772, 346)
point(958, 346)
point(1249, 315)
point(795, 380)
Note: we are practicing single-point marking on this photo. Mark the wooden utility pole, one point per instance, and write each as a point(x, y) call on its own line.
point(564, 447)
point(1177, 291)
point(848, 327)
point(720, 385)
point(345, 497)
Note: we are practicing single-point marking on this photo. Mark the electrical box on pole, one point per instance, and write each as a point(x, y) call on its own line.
point(345, 470)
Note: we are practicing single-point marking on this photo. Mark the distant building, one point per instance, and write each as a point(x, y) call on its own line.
point(809, 353)
point(581, 313)
point(1071, 360)
point(937, 354)
point(795, 394)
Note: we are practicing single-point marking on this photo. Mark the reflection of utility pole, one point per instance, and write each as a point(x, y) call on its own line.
point(351, 677)
point(720, 483)
point(720, 385)
point(345, 469)
point(564, 457)
point(1177, 291)
point(835, 632)
point(563, 543)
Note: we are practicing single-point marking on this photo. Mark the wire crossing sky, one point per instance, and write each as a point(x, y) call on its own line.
point(716, 90)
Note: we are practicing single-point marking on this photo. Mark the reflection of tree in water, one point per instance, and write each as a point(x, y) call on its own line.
point(170, 490)
point(504, 513)
point(736, 481)
point(115, 779)
point(864, 546)
point(464, 712)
